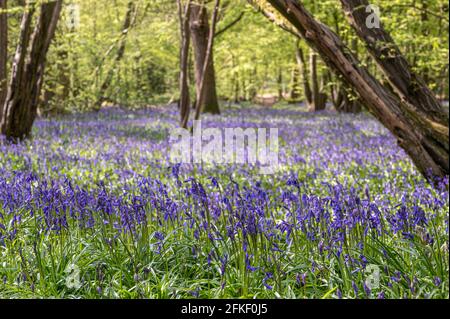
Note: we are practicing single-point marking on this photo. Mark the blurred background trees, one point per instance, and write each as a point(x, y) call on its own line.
point(254, 60)
point(130, 53)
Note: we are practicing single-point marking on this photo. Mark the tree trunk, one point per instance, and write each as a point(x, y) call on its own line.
point(316, 99)
point(3, 53)
point(304, 75)
point(319, 99)
point(11, 121)
point(414, 117)
point(246, 82)
point(200, 31)
point(424, 20)
point(419, 103)
point(56, 93)
point(280, 84)
point(235, 84)
point(237, 89)
point(185, 102)
point(130, 18)
point(294, 92)
point(252, 88)
point(344, 100)
point(28, 71)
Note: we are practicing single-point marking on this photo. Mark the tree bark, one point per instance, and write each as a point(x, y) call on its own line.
point(237, 88)
point(315, 98)
point(201, 31)
point(252, 88)
point(412, 117)
point(304, 76)
point(28, 71)
point(130, 18)
point(280, 84)
point(419, 103)
point(3, 53)
point(294, 90)
point(185, 102)
point(56, 93)
point(319, 99)
point(344, 100)
point(342, 96)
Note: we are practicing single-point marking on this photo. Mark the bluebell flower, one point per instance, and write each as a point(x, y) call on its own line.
point(223, 264)
point(355, 288)
point(437, 281)
point(159, 235)
point(367, 290)
point(266, 278)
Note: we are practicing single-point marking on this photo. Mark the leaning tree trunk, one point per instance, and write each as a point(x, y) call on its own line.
point(412, 117)
point(343, 97)
point(3, 53)
point(200, 31)
point(420, 104)
point(28, 71)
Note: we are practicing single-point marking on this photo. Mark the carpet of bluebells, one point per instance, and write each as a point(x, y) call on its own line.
point(92, 208)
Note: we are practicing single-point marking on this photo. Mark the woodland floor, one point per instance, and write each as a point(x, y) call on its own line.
point(92, 208)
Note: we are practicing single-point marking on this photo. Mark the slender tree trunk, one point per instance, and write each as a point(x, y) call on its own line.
point(304, 75)
point(294, 92)
point(413, 116)
point(314, 80)
point(3, 54)
point(344, 100)
point(443, 84)
point(56, 93)
point(316, 99)
point(253, 85)
point(243, 87)
point(280, 84)
point(185, 102)
point(28, 71)
point(130, 18)
point(424, 19)
point(237, 89)
point(200, 31)
point(319, 99)
point(337, 96)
